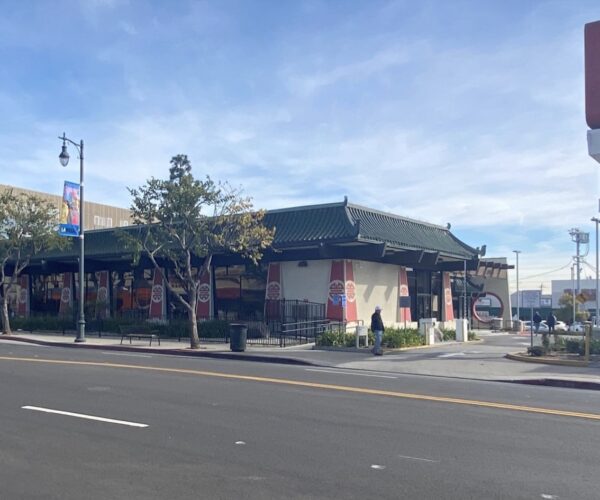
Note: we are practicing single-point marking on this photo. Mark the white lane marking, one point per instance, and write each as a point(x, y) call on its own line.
point(549, 497)
point(81, 415)
point(240, 442)
point(124, 354)
point(416, 458)
point(378, 467)
point(451, 355)
point(347, 373)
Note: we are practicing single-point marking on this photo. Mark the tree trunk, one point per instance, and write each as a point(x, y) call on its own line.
point(194, 339)
point(5, 318)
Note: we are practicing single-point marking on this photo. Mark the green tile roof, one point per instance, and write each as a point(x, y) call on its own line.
point(314, 224)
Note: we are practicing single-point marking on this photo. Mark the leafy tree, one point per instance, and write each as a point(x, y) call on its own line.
point(27, 227)
point(183, 222)
point(565, 313)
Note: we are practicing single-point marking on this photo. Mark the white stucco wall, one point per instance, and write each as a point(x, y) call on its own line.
point(306, 283)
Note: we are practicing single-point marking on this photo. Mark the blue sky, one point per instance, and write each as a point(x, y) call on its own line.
point(468, 112)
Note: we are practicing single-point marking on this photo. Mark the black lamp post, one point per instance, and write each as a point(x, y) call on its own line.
point(64, 160)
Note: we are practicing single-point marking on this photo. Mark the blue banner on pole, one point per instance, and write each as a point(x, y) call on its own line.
point(69, 211)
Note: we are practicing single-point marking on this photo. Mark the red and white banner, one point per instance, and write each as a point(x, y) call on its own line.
point(336, 293)
point(403, 314)
point(103, 296)
point(351, 310)
point(204, 297)
point(23, 297)
point(274, 291)
point(447, 310)
point(158, 302)
point(66, 295)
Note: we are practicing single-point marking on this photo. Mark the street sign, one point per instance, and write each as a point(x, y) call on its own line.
point(531, 298)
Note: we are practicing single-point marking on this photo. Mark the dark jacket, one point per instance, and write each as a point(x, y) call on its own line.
point(551, 321)
point(537, 318)
point(376, 322)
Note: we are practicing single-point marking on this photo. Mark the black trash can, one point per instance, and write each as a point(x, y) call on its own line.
point(238, 333)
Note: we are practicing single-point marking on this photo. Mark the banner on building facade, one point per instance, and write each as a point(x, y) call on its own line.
point(65, 307)
point(204, 296)
point(350, 287)
point(23, 297)
point(403, 311)
point(103, 296)
point(447, 292)
point(158, 302)
point(273, 291)
point(341, 293)
point(69, 223)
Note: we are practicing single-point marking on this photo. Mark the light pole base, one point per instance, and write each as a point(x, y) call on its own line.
point(79, 341)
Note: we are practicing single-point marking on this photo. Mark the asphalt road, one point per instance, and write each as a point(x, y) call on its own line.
point(233, 429)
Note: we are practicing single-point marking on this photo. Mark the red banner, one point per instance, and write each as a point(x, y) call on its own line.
point(351, 311)
point(23, 297)
point(103, 296)
point(336, 294)
point(448, 310)
point(158, 301)
point(274, 291)
point(204, 298)
point(403, 312)
point(66, 295)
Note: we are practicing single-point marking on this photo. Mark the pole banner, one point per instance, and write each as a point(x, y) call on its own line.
point(204, 298)
point(158, 306)
point(69, 210)
point(447, 290)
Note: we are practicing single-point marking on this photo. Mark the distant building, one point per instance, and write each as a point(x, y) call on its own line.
point(544, 300)
point(587, 287)
point(96, 215)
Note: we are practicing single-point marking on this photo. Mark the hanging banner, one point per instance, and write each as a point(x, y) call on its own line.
point(351, 309)
point(103, 296)
point(23, 297)
point(66, 295)
point(204, 298)
point(403, 311)
point(69, 211)
point(336, 295)
point(448, 310)
point(274, 291)
point(158, 302)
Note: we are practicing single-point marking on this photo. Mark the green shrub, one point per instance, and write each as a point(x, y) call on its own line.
point(336, 339)
point(395, 338)
point(448, 334)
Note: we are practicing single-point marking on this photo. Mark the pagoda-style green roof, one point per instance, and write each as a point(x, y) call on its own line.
point(309, 227)
point(344, 222)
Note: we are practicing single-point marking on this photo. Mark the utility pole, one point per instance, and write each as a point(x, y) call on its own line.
point(579, 237)
point(517, 252)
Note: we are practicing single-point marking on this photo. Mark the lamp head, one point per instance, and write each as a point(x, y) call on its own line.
point(64, 155)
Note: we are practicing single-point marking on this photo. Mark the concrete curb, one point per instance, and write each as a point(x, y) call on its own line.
point(545, 361)
point(242, 356)
point(388, 350)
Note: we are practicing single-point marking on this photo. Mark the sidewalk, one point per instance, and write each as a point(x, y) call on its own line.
point(481, 360)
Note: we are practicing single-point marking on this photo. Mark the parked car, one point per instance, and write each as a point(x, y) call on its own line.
point(543, 327)
point(577, 327)
point(560, 326)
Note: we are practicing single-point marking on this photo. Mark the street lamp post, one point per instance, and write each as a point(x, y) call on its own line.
point(64, 160)
point(596, 220)
point(517, 252)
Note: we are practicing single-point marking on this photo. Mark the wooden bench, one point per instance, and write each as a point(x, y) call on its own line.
point(138, 332)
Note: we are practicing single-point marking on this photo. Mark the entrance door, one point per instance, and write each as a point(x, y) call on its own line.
point(423, 305)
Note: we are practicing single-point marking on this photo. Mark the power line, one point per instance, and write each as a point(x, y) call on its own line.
point(545, 273)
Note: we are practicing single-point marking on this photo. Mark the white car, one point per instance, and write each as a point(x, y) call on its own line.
point(577, 327)
point(543, 327)
point(559, 326)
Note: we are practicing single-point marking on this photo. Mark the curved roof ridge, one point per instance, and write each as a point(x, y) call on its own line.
point(398, 217)
point(307, 207)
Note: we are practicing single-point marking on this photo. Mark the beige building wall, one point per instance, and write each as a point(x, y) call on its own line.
point(376, 284)
point(498, 286)
point(95, 215)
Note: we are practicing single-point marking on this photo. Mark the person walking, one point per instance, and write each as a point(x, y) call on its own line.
point(377, 329)
point(551, 322)
point(537, 319)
